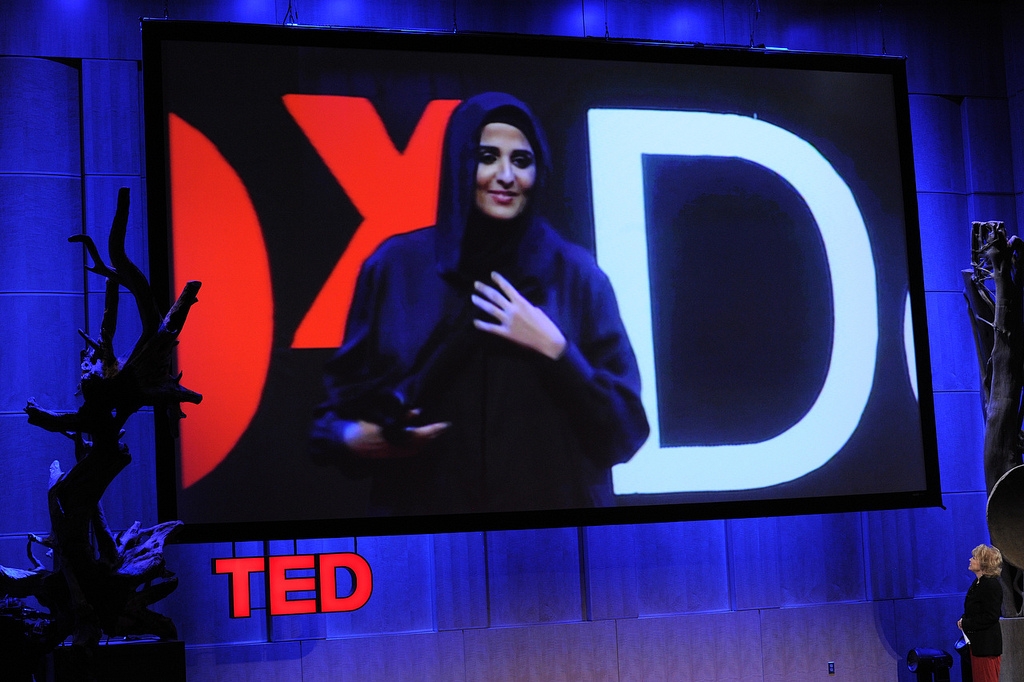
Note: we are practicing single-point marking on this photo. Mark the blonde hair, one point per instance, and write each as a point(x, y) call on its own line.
point(990, 559)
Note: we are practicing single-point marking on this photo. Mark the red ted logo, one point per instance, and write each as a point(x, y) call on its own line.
point(324, 582)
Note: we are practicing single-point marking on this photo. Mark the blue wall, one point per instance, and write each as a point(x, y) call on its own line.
point(753, 599)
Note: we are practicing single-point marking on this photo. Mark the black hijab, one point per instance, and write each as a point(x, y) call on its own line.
point(468, 244)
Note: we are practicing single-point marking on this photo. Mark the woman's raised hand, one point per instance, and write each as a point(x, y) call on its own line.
point(518, 320)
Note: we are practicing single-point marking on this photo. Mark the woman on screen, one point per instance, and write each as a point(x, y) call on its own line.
point(485, 366)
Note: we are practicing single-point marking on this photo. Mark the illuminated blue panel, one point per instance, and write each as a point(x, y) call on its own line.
point(618, 140)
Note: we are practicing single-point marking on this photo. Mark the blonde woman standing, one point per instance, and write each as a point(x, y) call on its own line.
point(982, 608)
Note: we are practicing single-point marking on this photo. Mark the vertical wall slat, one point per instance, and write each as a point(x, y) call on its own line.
point(954, 358)
point(945, 239)
point(682, 567)
point(533, 576)
point(938, 143)
point(611, 563)
point(460, 582)
point(960, 430)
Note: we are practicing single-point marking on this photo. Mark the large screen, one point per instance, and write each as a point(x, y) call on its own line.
point(460, 282)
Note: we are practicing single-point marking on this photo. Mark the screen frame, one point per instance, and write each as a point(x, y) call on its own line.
point(156, 32)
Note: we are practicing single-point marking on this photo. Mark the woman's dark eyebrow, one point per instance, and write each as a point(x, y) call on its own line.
point(489, 148)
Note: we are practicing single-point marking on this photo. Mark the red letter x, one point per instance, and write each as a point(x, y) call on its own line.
point(351, 139)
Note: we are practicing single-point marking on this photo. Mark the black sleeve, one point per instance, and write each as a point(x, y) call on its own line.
point(598, 381)
point(351, 377)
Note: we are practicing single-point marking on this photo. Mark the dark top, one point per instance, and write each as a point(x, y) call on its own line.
point(980, 622)
point(527, 432)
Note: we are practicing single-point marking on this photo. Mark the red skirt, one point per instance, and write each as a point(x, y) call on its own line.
point(985, 668)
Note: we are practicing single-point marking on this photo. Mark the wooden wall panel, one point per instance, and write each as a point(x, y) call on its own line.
point(299, 626)
point(682, 567)
point(995, 207)
point(943, 539)
point(552, 653)
point(37, 215)
point(25, 470)
point(109, 29)
point(954, 359)
point(40, 281)
point(945, 239)
point(1019, 200)
point(960, 429)
point(533, 576)
point(798, 643)
point(935, 548)
point(131, 496)
point(199, 607)
point(738, 19)
point(889, 554)
point(269, 662)
point(433, 657)
point(831, 549)
point(39, 351)
point(432, 16)
point(987, 145)
point(754, 569)
point(1013, 28)
point(39, 116)
point(955, 50)
point(111, 118)
point(809, 25)
point(12, 552)
point(54, 29)
point(692, 22)
point(709, 647)
point(403, 588)
point(937, 135)
point(460, 580)
point(544, 17)
point(311, 626)
point(258, 599)
point(796, 560)
point(1016, 110)
point(610, 560)
point(930, 622)
point(320, 625)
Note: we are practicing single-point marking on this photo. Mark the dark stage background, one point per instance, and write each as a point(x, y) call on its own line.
point(750, 599)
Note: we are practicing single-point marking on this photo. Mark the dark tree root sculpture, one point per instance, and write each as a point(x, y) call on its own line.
point(994, 287)
point(102, 583)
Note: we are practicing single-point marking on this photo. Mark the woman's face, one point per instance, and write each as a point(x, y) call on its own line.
point(505, 171)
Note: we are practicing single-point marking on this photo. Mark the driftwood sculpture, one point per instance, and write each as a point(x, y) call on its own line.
point(993, 292)
point(101, 582)
point(995, 298)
